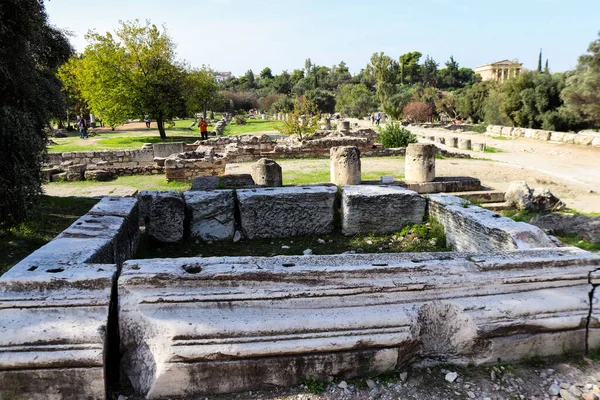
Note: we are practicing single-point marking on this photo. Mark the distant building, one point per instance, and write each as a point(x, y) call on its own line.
point(499, 70)
point(221, 76)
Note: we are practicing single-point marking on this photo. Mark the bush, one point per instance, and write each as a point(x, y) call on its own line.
point(394, 135)
point(240, 119)
point(417, 112)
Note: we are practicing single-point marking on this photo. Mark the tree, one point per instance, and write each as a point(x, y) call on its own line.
point(449, 77)
point(249, 79)
point(31, 51)
point(283, 83)
point(354, 100)
point(384, 70)
point(539, 67)
point(410, 70)
point(201, 91)
point(418, 112)
point(470, 100)
point(303, 120)
point(398, 101)
point(546, 68)
point(447, 103)
point(582, 90)
point(131, 73)
point(429, 71)
point(266, 73)
point(323, 100)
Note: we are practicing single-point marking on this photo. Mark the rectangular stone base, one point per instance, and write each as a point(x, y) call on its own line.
point(439, 185)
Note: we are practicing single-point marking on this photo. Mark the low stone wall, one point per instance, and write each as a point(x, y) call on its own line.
point(126, 158)
point(581, 138)
point(184, 167)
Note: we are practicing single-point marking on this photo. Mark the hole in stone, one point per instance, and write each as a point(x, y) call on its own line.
point(415, 261)
point(192, 269)
point(496, 216)
point(113, 200)
point(91, 221)
point(79, 223)
point(55, 270)
point(379, 265)
point(287, 265)
point(305, 188)
point(32, 268)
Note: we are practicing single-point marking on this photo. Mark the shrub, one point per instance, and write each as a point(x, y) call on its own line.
point(417, 112)
point(303, 120)
point(240, 119)
point(394, 135)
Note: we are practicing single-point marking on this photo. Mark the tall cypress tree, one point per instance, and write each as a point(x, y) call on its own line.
point(546, 68)
point(540, 62)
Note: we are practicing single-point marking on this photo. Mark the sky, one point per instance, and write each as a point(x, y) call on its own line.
point(237, 35)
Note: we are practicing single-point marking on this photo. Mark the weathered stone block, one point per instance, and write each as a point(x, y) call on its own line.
point(472, 228)
point(420, 163)
point(345, 168)
point(167, 214)
point(464, 144)
point(211, 214)
point(267, 172)
point(167, 149)
point(286, 211)
point(208, 182)
point(457, 308)
point(380, 209)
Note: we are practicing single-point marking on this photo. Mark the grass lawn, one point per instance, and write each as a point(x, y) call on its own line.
point(139, 182)
point(134, 139)
point(51, 216)
point(253, 126)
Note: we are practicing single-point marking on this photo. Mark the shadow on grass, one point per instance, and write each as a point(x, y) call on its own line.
point(51, 216)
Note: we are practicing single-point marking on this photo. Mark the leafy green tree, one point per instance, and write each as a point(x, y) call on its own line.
point(296, 76)
point(429, 71)
point(493, 108)
point(354, 100)
point(131, 73)
point(303, 120)
point(394, 135)
point(249, 79)
point(323, 100)
point(451, 76)
point(266, 73)
point(282, 83)
point(384, 70)
point(512, 106)
point(338, 76)
point(410, 70)
point(398, 101)
point(582, 90)
point(31, 50)
point(471, 100)
point(201, 91)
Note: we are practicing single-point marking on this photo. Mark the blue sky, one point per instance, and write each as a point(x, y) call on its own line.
point(237, 35)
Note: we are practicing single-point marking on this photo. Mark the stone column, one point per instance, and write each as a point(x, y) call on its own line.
point(420, 163)
point(453, 141)
point(327, 124)
point(344, 126)
point(267, 172)
point(464, 144)
point(479, 147)
point(345, 165)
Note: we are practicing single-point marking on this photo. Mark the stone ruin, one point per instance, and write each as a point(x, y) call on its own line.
point(81, 314)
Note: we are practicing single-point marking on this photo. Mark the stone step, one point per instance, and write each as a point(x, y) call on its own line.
point(499, 206)
point(482, 196)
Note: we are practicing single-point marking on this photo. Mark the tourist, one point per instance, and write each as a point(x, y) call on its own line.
point(372, 119)
point(147, 120)
point(377, 119)
point(203, 129)
point(82, 125)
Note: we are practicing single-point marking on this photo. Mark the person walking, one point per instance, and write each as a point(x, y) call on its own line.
point(203, 129)
point(82, 125)
point(147, 121)
point(377, 119)
point(372, 119)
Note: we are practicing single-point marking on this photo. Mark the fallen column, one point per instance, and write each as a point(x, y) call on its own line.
point(420, 163)
point(345, 165)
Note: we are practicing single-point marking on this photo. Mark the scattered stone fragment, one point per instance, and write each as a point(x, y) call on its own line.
point(321, 241)
point(285, 247)
point(565, 395)
point(237, 236)
point(554, 390)
point(403, 376)
point(575, 391)
point(451, 376)
point(343, 385)
point(307, 252)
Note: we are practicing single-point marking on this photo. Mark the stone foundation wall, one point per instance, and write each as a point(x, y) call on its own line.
point(185, 170)
point(581, 138)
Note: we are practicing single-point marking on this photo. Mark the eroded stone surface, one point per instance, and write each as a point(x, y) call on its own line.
point(380, 209)
point(167, 214)
point(420, 163)
point(472, 228)
point(314, 316)
point(345, 168)
point(211, 214)
point(286, 211)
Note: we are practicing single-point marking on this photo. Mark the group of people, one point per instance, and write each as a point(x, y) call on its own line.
point(375, 119)
point(82, 125)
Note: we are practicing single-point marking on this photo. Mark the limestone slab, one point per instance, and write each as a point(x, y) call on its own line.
point(53, 325)
point(316, 316)
point(211, 214)
point(286, 211)
point(166, 216)
point(380, 209)
point(472, 228)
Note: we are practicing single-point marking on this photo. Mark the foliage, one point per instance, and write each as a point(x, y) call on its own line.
point(303, 120)
point(417, 112)
point(313, 385)
point(447, 104)
point(266, 103)
point(582, 90)
point(398, 101)
point(30, 53)
point(235, 101)
point(470, 100)
point(354, 100)
point(131, 73)
point(393, 135)
point(492, 108)
point(384, 70)
point(410, 70)
point(240, 119)
point(323, 100)
point(572, 239)
point(201, 91)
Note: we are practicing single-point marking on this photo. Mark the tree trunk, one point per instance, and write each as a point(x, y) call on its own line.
point(161, 126)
